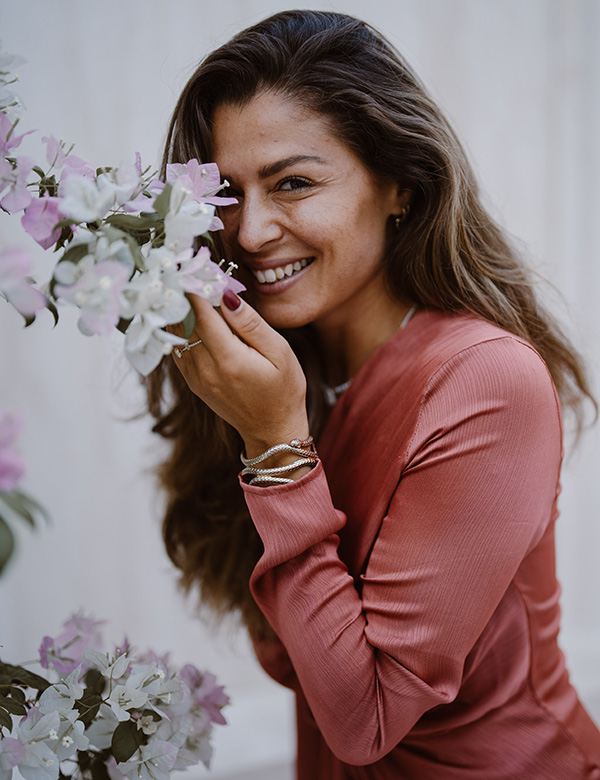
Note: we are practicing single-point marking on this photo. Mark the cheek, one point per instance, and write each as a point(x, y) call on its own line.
point(230, 220)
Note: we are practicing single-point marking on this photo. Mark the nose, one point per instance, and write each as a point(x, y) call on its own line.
point(258, 224)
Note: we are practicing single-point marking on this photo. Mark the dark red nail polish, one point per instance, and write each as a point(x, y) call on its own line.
point(231, 300)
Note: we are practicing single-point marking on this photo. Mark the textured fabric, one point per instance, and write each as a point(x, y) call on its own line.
point(411, 576)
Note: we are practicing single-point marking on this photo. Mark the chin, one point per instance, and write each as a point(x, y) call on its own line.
point(280, 317)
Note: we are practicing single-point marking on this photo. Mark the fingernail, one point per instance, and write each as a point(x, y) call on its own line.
point(231, 300)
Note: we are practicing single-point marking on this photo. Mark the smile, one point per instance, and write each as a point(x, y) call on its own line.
point(272, 275)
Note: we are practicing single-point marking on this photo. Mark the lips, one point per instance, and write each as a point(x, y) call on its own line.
point(279, 272)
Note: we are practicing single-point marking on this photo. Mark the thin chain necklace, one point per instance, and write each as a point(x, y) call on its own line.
point(333, 393)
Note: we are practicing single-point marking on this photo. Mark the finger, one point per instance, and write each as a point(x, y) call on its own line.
point(250, 326)
point(216, 335)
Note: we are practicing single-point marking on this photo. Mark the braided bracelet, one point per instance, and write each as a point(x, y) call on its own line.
point(304, 448)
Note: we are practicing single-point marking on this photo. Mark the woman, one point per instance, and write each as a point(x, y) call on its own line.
point(402, 579)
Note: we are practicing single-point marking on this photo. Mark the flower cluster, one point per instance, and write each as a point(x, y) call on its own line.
point(129, 245)
point(109, 715)
point(13, 502)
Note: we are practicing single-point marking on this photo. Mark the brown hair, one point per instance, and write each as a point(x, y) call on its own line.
point(450, 254)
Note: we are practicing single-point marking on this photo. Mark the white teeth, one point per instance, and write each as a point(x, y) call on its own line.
point(270, 275)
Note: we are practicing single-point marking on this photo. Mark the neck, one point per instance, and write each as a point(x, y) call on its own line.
point(347, 345)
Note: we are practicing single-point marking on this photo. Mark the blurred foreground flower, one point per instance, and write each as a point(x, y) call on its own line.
point(107, 715)
point(14, 503)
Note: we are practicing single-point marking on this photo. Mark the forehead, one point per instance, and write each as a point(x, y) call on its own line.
point(269, 127)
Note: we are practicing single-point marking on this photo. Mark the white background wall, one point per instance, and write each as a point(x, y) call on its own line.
point(521, 81)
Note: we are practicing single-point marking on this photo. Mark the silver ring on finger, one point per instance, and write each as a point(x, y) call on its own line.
point(180, 350)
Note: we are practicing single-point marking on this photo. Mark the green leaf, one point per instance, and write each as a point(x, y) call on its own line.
point(29, 319)
point(95, 681)
point(41, 173)
point(12, 500)
point(16, 675)
point(128, 222)
point(122, 325)
point(99, 771)
point(5, 720)
point(66, 234)
point(136, 252)
point(88, 706)
point(189, 323)
point(7, 544)
point(159, 239)
point(18, 694)
point(25, 506)
point(126, 740)
point(33, 506)
point(53, 310)
point(12, 706)
point(48, 184)
point(83, 760)
point(75, 253)
point(162, 203)
point(152, 216)
point(65, 222)
point(130, 226)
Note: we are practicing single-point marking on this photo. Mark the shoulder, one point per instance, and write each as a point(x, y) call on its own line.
point(471, 369)
point(461, 349)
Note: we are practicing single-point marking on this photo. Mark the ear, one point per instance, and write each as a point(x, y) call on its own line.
point(401, 197)
point(405, 197)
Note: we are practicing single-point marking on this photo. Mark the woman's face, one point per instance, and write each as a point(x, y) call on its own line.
point(309, 229)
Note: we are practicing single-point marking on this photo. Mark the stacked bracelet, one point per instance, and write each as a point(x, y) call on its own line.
point(304, 448)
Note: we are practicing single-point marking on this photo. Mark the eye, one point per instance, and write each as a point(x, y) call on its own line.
point(294, 184)
point(230, 192)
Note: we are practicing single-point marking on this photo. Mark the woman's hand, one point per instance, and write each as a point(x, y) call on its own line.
point(254, 382)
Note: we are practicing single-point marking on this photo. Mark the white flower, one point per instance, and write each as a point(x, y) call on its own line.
point(111, 668)
point(94, 285)
point(38, 762)
point(147, 293)
point(152, 679)
point(186, 219)
point(153, 761)
point(61, 696)
point(146, 343)
point(70, 737)
point(147, 724)
point(197, 748)
point(121, 182)
point(82, 200)
point(124, 698)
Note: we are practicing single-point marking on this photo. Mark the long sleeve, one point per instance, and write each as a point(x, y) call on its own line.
point(474, 463)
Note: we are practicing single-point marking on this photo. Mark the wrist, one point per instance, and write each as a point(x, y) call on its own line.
point(253, 447)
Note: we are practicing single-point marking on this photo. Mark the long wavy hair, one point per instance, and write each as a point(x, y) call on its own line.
point(450, 254)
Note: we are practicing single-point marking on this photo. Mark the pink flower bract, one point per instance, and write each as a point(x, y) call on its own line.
point(40, 218)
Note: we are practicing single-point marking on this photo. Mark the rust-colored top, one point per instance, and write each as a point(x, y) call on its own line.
point(411, 576)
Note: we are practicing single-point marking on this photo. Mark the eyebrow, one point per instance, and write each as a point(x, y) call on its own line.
point(276, 167)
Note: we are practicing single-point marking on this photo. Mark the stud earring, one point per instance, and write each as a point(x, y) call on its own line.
point(404, 212)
